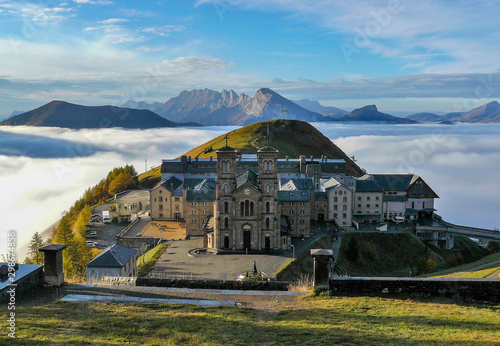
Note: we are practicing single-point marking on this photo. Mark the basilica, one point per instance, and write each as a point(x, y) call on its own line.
point(258, 202)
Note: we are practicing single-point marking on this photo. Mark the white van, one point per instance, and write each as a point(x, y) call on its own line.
point(105, 217)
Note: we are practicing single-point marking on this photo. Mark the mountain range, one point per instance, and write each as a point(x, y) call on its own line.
point(487, 113)
point(64, 114)
point(209, 107)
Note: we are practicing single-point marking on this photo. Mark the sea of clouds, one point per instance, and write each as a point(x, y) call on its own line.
point(43, 171)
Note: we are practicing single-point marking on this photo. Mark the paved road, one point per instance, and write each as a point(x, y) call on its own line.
point(175, 262)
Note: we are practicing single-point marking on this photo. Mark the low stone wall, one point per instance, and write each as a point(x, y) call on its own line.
point(462, 289)
point(117, 280)
point(135, 243)
point(215, 284)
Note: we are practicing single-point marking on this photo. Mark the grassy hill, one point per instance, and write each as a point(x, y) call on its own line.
point(291, 137)
point(384, 254)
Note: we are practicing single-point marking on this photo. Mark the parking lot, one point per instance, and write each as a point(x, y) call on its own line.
point(106, 233)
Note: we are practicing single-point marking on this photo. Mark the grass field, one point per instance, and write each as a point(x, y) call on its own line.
point(306, 321)
point(383, 254)
point(464, 267)
point(478, 274)
point(148, 260)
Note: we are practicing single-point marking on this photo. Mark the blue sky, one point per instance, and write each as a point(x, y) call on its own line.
point(405, 56)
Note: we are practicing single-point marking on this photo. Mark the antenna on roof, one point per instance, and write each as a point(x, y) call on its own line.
point(353, 158)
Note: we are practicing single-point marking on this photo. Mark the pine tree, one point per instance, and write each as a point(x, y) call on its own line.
point(34, 249)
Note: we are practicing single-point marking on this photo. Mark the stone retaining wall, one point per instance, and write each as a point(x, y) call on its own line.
point(215, 284)
point(462, 289)
point(135, 243)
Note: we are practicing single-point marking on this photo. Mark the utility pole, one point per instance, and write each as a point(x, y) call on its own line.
point(145, 164)
point(284, 111)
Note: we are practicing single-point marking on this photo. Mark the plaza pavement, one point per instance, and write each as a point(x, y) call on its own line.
point(176, 263)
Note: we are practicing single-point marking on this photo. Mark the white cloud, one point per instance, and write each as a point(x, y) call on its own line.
point(93, 2)
point(165, 30)
point(114, 21)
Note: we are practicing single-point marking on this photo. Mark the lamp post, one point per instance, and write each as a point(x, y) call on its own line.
point(293, 251)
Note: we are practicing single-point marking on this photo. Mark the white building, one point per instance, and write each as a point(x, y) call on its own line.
point(115, 260)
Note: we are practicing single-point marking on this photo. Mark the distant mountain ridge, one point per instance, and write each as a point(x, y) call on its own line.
point(209, 107)
point(68, 115)
point(487, 113)
point(371, 114)
point(315, 106)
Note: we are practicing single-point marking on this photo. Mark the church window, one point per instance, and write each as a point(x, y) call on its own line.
point(268, 189)
point(226, 207)
point(251, 208)
point(247, 207)
point(226, 189)
point(268, 223)
point(226, 223)
point(268, 207)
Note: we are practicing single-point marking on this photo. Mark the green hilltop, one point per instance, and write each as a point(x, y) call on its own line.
point(291, 137)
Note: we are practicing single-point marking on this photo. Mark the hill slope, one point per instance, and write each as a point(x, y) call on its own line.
point(488, 113)
point(382, 254)
point(315, 106)
point(291, 137)
point(64, 114)
point(425, 117)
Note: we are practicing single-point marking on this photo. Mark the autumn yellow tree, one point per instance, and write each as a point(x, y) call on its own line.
point(122, 182)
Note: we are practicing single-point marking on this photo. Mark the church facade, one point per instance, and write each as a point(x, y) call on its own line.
point(246, 210)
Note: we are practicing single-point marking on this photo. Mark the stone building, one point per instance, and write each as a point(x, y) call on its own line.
point(258, 202)
point(115, 260)
point(247, 215)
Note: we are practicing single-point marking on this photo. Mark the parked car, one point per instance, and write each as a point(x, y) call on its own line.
point(95, 218)
point(91, 234)
point(91, 243)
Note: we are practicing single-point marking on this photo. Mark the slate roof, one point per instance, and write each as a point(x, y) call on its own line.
point(294, 196)
point(288, 184)
point(267, 149)
point(418, 190)
point(227, 148)
point(205, 185)
point(393, 198)
point(368, 186)
point(392, 182)
point(247, 176)
point(115, 256)
point(200, 196)
point(190, 183)
point(170, 184)
point(321, 196)
point(207, 166)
